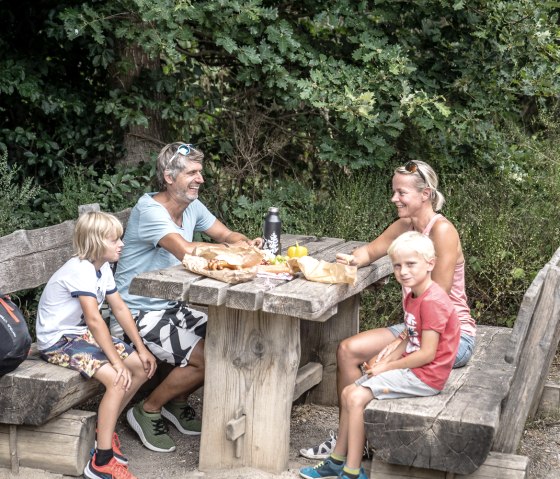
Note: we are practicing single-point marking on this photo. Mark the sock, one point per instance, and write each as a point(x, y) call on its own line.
point(351, 473)
point(338, 460)
point(103, 456)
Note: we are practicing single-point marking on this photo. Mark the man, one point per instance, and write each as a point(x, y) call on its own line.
point(159, 233)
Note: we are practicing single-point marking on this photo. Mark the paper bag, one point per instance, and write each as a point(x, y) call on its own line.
point(244, 258)
point(323, 272)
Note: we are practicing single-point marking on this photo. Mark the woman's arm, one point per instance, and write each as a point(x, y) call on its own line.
point(367, 254)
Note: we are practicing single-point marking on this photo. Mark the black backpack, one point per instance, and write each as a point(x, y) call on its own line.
point(15, 339)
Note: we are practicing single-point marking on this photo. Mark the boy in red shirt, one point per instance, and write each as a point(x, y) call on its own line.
point(419, 366)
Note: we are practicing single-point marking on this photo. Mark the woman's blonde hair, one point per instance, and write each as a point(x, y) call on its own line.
point(91, 231)
point(425, 177)
point(413, 241)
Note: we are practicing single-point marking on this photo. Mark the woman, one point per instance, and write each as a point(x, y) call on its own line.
point(416, 196)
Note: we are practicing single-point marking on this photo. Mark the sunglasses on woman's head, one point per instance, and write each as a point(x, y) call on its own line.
point(412, 167)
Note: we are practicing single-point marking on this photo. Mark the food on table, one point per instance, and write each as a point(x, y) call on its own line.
point(297, 251)
point(219, 264)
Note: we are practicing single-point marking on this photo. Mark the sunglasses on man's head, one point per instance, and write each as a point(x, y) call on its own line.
point(412, 167)
point(184, 150)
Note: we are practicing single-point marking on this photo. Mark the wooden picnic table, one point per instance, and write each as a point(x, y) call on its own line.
point(260, 356)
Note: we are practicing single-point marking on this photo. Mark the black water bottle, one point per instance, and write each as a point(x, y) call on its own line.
point(272, 230)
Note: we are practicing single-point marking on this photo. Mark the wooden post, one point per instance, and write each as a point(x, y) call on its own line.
point(14, 459)
point(252, 361)
point(320, 342)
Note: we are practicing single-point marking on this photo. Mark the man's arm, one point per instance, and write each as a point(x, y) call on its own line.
point(178, 246)
point(222, 234)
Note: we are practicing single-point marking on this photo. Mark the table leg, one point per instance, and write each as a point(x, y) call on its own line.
point(252, 360)
point(320, 342)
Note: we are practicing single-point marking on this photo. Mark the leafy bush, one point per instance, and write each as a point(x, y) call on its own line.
point(113, 191)
point(16, 198)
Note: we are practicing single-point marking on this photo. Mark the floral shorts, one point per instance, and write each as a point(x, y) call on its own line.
point(82, 353)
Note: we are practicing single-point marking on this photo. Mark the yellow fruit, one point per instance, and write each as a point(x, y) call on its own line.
point(297, 251)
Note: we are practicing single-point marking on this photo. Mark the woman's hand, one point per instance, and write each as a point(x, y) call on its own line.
point(346, 259)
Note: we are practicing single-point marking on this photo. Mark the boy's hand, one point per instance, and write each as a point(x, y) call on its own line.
point(123, 375)
point(376, 369)
point(148, 361)
point(389, 349)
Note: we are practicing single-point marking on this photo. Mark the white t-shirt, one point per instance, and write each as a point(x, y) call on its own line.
point(60, 311)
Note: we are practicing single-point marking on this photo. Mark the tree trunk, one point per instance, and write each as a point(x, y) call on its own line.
point(140, 142)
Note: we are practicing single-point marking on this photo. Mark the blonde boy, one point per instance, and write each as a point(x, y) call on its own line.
point(72, 333)
point(420, 365)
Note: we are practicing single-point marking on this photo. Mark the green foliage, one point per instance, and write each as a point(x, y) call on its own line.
point(16, 198)
point(285, 101)
point(113, 191)
point(349, 83)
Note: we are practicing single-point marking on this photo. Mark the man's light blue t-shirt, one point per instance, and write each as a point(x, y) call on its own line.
point(149, 222)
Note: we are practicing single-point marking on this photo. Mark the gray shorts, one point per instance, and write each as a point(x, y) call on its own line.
point(397, 383)
point(172, 334)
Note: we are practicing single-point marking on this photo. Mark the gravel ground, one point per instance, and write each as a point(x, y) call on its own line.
point(310, 424)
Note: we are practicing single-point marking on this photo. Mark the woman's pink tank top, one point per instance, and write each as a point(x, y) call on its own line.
point(457, 294)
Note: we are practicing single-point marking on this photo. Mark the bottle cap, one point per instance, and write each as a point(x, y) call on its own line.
point(273, 209)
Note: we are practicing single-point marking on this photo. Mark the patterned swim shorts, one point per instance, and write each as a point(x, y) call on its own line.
point(82, 353)
point(171, 334)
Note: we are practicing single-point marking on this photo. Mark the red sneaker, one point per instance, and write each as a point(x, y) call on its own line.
point(111, 470)
point(117, 453)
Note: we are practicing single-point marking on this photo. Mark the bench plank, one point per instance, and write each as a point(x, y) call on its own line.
point(496, 466)
point(38, 391)
point(454, 430)
point(28, 258)
point(537, 354)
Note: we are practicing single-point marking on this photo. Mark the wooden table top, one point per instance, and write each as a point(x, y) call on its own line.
point(298, 297)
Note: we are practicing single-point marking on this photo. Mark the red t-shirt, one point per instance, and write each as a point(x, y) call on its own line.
point(432, 310)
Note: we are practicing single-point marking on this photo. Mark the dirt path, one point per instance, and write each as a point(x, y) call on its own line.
point(310, 425)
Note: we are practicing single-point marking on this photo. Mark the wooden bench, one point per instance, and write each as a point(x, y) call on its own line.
point(38, 428)
point(473, 428)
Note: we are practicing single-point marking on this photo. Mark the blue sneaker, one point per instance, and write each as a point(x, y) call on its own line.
point(326, 470)
point(345, 475)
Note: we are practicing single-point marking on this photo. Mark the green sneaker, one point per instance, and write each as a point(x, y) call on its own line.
point(182, 416)
point(151, 429)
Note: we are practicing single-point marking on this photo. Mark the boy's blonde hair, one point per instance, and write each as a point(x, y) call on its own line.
point(91, 231)
point(413, 241)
